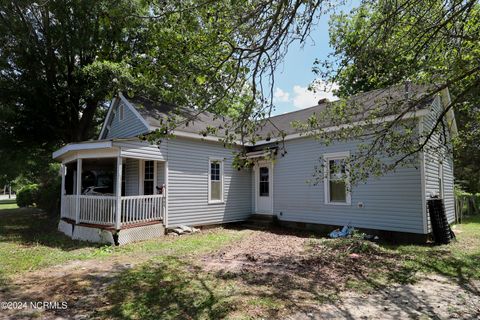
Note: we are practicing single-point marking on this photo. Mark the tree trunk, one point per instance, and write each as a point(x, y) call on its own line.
point(85, 124)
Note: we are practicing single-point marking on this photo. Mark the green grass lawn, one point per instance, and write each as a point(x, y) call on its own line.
point(459, 259)
point(169, 287)
point(174, 283)
point(29, 240)
point(8, 204)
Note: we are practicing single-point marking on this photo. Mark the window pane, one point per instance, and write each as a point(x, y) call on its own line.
point(337, 168)
point(264, 186)
point(263, 182)
point(215, 171)
point(338, 191)
point(148, 187)
point(215, 190)
point(149, 170)
point(263, 174)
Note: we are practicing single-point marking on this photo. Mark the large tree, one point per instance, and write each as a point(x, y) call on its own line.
point(435, 42)
point(60, 60)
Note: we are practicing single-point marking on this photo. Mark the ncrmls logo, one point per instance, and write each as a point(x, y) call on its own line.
point(49, 305)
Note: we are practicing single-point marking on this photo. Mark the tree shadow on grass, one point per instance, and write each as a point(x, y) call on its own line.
point(31, 226)
point(169, 289)
point(178, 288)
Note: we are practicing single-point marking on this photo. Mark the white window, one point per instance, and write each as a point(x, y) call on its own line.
point(148, 177)
point(336, 184)
point(215, 181)
point(121, 112)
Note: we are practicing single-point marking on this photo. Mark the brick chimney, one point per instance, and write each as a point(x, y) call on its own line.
point(323, 100)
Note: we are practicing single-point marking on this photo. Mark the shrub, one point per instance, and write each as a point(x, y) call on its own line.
point(27, 195)
point(49, 189)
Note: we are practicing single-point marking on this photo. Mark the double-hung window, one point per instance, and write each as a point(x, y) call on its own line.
point(149, 177)
point(215, 181)
point(336, 181)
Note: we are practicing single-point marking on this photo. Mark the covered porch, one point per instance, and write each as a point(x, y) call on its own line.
point(105, 190)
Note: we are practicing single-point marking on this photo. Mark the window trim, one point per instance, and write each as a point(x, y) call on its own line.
point(209, 174)
point(141, 176)
point(441, 182)
point(326, 179)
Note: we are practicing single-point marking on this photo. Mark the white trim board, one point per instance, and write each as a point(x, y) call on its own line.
point(134, 110)
point(109, 112)
point(423, 184)
point(81, 146)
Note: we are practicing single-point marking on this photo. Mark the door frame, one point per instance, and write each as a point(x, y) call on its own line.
point(256, 171)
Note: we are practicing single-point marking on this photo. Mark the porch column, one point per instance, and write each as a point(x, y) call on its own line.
point(79, 191)
point(62, 192)
point(118, 193)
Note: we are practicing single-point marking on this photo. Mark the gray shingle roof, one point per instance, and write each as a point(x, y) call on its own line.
point(189, 120)
point(383, 102)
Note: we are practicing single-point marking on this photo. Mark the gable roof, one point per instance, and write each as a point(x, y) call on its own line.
point(189, 120)
point(381, 102)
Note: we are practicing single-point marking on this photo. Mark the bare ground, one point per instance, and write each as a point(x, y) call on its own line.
point(307, 277)
point(316, 284)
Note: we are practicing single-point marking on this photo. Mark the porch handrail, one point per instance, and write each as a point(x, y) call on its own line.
point(137, 209)
point(100, 209)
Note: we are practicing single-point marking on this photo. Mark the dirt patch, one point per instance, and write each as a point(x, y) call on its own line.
point(81, 284)
point(277, 274)
point(260, 248)
point(433, 297)
point(312, 278)
point(296, 260)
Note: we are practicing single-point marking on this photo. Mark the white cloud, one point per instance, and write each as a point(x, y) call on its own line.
point(281, 96)
point(304, 98)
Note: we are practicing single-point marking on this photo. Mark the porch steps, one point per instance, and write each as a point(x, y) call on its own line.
point(259, 222)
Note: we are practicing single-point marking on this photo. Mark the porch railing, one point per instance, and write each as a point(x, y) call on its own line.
point(102, 210)
point(68, 206)
point(97, 209)
point(141, 209)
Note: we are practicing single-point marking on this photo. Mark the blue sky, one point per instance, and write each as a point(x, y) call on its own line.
point(295, 74)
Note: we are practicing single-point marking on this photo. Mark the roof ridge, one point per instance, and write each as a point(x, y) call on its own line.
point(302, 109)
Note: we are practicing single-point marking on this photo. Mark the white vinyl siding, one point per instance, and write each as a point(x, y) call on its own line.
point(128, 127)
point(438, 159)
point(392, 202)
point(187, 189)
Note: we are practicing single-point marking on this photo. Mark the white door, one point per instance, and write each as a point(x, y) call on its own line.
point(263, 189)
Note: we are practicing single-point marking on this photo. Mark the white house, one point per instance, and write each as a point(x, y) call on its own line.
point(121, 189)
